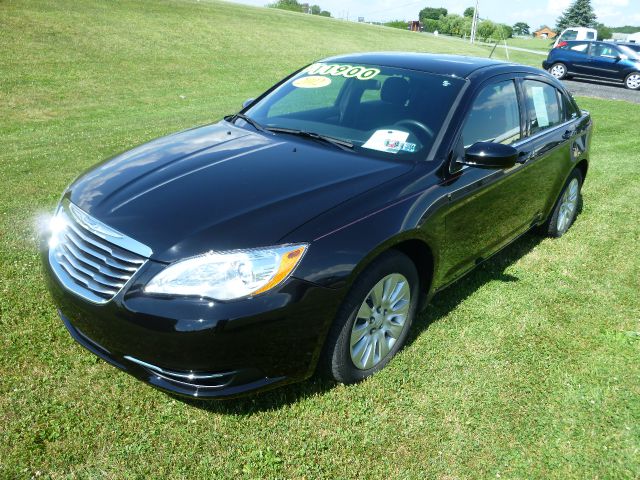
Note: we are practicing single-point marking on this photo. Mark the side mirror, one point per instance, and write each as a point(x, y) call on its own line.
point(490, 155)
point(248, 102)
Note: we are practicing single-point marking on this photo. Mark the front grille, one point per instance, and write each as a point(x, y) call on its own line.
point(89, 257)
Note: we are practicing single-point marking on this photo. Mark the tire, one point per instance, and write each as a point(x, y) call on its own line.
point(566, 208)
point(378, 333)
point(632, 82)
point(558, 70)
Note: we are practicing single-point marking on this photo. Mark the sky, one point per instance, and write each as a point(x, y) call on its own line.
point(613, 13)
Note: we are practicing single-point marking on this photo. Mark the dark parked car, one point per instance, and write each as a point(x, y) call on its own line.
point(601, 60)
point(305, 232)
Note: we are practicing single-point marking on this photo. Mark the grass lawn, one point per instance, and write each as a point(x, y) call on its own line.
point(527, 368)
point(542, 44)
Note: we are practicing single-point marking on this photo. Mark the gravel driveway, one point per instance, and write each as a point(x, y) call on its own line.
point(606, 90)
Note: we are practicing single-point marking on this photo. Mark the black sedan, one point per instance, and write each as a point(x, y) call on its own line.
point(305, 232)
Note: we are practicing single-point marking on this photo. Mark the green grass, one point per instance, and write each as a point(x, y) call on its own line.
point(542, 44)
point(527, 368)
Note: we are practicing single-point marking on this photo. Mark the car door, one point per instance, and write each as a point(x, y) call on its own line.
point(488, 207)
point(604, 61)
point(576, 57)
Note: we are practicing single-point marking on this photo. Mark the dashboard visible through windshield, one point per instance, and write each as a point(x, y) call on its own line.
point(374, 109)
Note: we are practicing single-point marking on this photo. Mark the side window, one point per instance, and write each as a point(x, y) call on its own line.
point(579, 47)
point(591, 36)
point(494, 116)
point(604, 50)
point(569, 111)
point(543, 108)
point(570, 35)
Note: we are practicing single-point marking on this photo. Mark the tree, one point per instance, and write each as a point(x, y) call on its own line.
point(291, 5)
point(325, 13)
point(521, 28)
point(451, 24)
point(315, 9)
point(604, 32)
point(432, 13)
point(502, 32)
point(486, 29)
point(430, 25)
point(469, 11)
point(579, 14)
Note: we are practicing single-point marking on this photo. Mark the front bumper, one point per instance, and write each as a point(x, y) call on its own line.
point(198, 348)
point(546, 65)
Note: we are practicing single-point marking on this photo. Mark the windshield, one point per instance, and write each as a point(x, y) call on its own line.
point(630, 52)
point(380, 111)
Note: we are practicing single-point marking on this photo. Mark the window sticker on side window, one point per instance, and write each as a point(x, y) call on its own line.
point(540, 106)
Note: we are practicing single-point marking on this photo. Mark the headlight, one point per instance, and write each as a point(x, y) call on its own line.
point(228, 275)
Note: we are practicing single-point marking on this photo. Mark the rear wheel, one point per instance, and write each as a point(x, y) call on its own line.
point(374, 320)
point(558, 70)
point(632, 82)
point(566, 208)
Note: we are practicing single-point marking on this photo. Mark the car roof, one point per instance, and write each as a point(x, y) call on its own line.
point(454, 65)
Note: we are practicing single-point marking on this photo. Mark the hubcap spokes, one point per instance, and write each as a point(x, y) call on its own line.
point(633, 81)
point(380, 321)
point(557, 71)
point(568, 206)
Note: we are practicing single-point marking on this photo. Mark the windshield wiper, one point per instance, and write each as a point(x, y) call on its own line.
point(249, 120)
point(337, 142)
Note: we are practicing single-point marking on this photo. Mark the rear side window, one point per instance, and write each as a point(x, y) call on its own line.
point(543, 108)
point(494, 116)
point(578, 47)
point(591, 36)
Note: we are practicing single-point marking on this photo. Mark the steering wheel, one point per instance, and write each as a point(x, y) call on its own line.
point(418, 128)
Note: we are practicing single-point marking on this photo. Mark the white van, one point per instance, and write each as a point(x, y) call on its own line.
point(576, 33)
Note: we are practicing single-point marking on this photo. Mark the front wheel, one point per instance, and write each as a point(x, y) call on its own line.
point(374, 320)
point(632, 82)
point(566, 207)
point(558, 70)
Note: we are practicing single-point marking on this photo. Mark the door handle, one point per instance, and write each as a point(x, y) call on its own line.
point(568, 134)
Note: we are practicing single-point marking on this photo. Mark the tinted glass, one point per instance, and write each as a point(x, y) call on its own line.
point(494, 116)
point(542, 105)
point(631, 51)
point(570, 35)
point(591, 36)
point(383, 111)
point(568, 109)
point(604, 50)
point(580, 47)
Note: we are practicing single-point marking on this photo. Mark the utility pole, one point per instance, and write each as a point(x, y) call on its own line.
point(474, 23)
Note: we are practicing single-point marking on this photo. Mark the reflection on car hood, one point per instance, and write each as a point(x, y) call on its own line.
point(220, 187)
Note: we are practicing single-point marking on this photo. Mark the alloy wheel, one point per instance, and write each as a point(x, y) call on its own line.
point(568, 206)
point(380, 321)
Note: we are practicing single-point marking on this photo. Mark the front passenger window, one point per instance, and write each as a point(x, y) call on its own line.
point(542, 106)
point(494, 116)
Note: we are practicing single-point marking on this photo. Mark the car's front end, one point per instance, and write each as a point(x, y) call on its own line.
point(99, 279)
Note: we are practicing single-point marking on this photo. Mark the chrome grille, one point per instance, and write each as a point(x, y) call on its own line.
point(90, 258)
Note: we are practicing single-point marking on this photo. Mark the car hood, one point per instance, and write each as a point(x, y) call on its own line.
point(220, 187)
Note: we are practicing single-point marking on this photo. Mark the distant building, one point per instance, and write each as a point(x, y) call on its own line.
point(361, 19)
point(415, 26)
point(545, 32)
point(634, 37)
point(619, 37)
point(305, 8)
